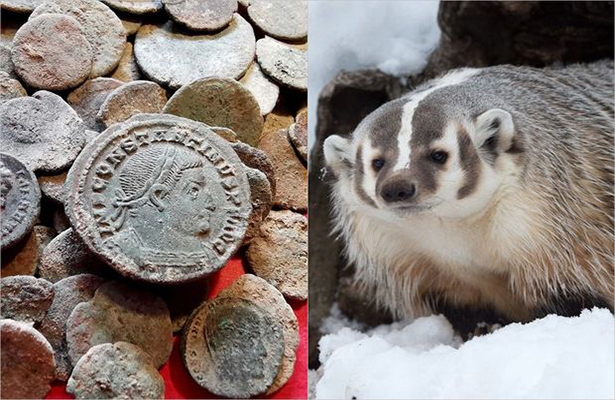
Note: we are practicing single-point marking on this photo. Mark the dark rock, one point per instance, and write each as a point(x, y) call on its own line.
point(343, 103)
point(483, 33)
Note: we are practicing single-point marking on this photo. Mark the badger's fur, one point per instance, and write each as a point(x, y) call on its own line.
point(487, 188)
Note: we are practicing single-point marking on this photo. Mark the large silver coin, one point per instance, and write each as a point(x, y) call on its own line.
point(20, 199)
point(160, 198)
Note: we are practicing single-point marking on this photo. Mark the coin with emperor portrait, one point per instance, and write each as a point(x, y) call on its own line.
point(160, 198)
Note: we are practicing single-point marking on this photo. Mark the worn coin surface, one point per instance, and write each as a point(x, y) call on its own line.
point(25, 298)
point(253, 288)
point(87, 99)
point(120, 312)
point(66, 255)
point(264, 91)
point(101, 27)
point(131, 99)
point(174, 59)
point(6, 63)
point(25, 256)
point(127, 70)
point(20, 199)
point(21, 6)
point(135, 6)
point(67, 294)
point(284, 63)
point(285, 20)
point(52, 52)
point(257, 159)
point(52, 186)
point(298, 135)
point(232, 347)
point(160, 198)
point(42, 131)
point(10, 88)
point(27, 361)
point(279, 253)
point(219, 102)
point(262, 198)
point(198, 15)
point(116, 371)
point(290, 173)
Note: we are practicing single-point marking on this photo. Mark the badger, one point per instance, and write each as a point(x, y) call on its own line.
point(487, 188)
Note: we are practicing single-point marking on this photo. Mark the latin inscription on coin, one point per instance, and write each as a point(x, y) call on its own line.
point(161, 198)
point(19, 200)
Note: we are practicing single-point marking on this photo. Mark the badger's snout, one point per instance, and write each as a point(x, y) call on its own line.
point(398, 190)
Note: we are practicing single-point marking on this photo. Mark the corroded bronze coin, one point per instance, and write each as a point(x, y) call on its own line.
point(160, 198)
point(119, 312)
point(42, 131)
point(198, 15)
point(137, 7)
point(67, 294)
point(279, 254)
point(20, 199)
point(116, 371)
point(21, 6)
point(52, 52)
point(65, 256)
point(232, 347)
point(256, 289)
point(219, 102)
point(101, 27)
point(173, 58)
point(284, 63)
point(27, 361)
point(285, 20)
point(25, 298)
point(24, 258)
point(130, 99)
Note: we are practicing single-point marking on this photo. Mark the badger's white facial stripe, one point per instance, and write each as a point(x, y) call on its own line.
point(405, 133)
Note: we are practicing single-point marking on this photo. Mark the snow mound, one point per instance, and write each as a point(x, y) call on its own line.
point(551, 358)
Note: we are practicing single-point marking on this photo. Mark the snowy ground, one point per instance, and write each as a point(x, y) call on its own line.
point(550, 358)
point(394, 36)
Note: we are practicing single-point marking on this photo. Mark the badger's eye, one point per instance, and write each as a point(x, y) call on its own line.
point(377, 164)
point(438, 157)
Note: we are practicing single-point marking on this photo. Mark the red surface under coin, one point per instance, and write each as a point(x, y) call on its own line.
point(179, 384)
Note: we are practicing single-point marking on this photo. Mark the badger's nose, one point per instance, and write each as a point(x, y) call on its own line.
point(398, 190)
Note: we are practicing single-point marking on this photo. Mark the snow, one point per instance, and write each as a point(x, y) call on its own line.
point(396, 37)
point(550, 358)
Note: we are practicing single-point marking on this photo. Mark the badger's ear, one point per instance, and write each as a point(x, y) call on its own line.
point(494, 129)
point(337, 153)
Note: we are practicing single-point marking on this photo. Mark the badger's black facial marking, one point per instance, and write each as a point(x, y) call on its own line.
point(383, 129)
point(428, 124)
point(358, 178)
point(470, 163)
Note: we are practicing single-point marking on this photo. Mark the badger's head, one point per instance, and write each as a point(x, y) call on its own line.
point(436, 152)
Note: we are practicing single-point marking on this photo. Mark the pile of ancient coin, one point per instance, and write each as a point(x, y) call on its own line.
point(143, 144)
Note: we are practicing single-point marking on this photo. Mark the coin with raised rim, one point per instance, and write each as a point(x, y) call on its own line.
point(233, 347)
point(160, 198)
point(20, 199)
